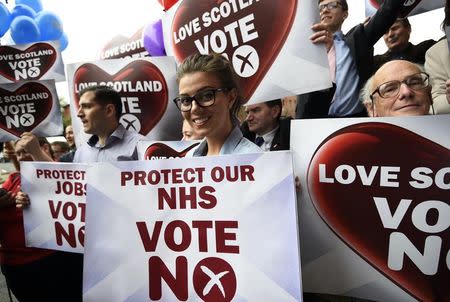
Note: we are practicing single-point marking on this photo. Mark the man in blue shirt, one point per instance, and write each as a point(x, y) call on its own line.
point(100, 108)
point(350, 56)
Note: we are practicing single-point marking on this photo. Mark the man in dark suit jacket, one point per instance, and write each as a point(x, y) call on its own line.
point(350, 56)
point(399, 47)
point(265, 127)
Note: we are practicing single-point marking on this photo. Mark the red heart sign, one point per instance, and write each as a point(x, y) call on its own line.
point(142, 86)
point(122, 47)
point(349, 208)
point(25, 108)
point(251, 34)
point(160, 150)
point(408, 6)
point(29, 64)
point(376, 3)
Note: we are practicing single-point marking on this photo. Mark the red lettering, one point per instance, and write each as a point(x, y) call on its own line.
point(188, 175)
point(171, 199)
point(185, 197)
point(153, 177)
point(181, 228)
point(69, 188)
point(78, 188)
point(124, 177)
point(222, 237)
point(185, 236)
point(217, 174)
point(68, 236)
point(247, 172)
point(82, 207)
point(176, 176)
point(149, 242)
point(81, 235)
point(202, 227)
point(157, 271)
point(209, 201)
point(139, 177)
point(69, 210)
point(233, 174)
point(54, 212)
point(187, 200)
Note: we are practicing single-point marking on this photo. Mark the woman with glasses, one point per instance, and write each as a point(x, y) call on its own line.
point(209, 100)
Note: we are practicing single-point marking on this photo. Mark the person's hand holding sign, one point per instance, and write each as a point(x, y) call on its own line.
point(30, 144)
point(22, 200)
point(322, 35)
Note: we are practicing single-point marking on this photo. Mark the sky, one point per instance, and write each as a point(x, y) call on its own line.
point(90, 24)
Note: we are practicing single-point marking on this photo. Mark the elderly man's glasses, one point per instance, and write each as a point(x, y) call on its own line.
point(204, 98)
point(391, 89)
point(329, 5)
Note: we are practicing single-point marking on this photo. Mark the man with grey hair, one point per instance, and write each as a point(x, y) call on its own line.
point(398, 88)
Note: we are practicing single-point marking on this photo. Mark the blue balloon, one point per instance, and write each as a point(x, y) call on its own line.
point(5, 19)
point(24, 30)
point(36, 5)
point(63, 42)
point(22, 10)
point(50, 25)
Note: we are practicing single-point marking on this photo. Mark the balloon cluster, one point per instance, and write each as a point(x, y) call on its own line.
point(29, 23)
point(152, 35)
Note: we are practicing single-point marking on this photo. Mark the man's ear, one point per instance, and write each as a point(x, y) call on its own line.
point(110, 110)
point(369, 108)
point(345, 15)
point(275, 111)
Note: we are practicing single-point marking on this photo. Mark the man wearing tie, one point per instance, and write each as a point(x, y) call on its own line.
point(265, 127)
point(350, 56)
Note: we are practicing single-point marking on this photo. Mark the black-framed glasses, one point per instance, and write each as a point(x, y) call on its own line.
point(329, 6)
point(204, 98)
point(391, 89)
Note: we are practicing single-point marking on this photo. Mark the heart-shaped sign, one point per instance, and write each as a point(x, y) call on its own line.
point(408, 6)
point(250, 33)
point(161, 150)
point(351, 213)
point(142, 86)
point(376, 3)
point(25, 108)
point(29, 64)
point(123, 47)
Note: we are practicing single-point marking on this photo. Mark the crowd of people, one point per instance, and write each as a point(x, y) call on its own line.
point(392, 84)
